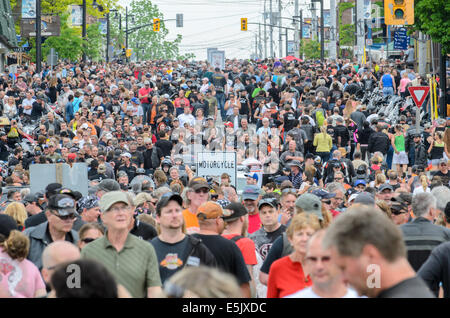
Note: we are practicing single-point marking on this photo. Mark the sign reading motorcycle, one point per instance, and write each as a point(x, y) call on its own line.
point(214, 164)
point(50, 26)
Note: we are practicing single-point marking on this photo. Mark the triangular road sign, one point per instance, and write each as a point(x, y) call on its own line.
point(418, 94)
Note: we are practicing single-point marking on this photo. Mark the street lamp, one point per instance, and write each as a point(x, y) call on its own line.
point(322, 40)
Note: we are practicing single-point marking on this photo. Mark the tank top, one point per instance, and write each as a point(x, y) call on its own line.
point(437, 152)
point(400, 143)
point(387, 80)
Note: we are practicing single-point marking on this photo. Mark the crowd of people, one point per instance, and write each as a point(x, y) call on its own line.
point(332, 187)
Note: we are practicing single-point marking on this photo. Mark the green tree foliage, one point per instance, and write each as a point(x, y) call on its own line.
point(432, 18)
point(310, 49)
point(147, 43)
point(68, 44)
point(94, 42)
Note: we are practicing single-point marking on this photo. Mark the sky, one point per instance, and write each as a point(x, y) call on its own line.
point(216, 24)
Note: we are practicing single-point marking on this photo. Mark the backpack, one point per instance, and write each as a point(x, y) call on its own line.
point(319, 118)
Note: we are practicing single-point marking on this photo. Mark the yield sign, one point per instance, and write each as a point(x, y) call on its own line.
point(419, 93)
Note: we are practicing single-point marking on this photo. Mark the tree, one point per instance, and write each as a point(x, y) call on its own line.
point(310, 49)
point(68, 44)
point(147, 43)
point(431, 17)
point(94, 42)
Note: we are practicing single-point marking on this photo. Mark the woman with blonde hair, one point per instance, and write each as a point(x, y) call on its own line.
point(349, 109)
point(424, 184)
point(17, 211)
point(24, 279)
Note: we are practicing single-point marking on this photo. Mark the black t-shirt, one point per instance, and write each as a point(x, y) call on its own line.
point(331, 132)
point(143, 230)
point(219, 82)
point(171, 257)
point(409, 288)
point(288, 121)
point(264, 240)
point(342, 131)
point(137, 158)
point(444, 177)
point(165, 146)
point(228, 256)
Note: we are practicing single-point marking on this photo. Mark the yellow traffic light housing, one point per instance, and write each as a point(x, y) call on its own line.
point(399, 12)
point(243, 24)
point(156, 25)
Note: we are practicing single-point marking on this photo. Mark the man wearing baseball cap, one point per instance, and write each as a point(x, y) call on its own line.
point(105, 186)
point(175, 249)
point(131, 261)
point(34, 220)
point(60, 215)
point(228, 256)
point(250, 197)
point(197, 193)
point(252, 178)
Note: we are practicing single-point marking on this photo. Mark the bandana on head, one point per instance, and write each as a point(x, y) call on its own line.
point(88, 202)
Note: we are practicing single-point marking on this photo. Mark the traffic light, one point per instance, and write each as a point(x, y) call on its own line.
point(156, 25)
point(243, 24)
point(179, 20)
point(128, 53)
point(399, 12)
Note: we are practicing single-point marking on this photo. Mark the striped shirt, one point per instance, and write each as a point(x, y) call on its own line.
point(135, 266)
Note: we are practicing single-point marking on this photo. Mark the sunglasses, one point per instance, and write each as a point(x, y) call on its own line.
point(395, 212)
point(71, 216)
point(289, 190)
point(88, 240)
point(202, 190)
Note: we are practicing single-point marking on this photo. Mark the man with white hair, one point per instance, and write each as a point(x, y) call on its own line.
point(421, 235)
point(442, 195)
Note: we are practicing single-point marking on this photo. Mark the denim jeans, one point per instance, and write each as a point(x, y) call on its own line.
point(388, 91)
point(145, 108)
point(221, 104)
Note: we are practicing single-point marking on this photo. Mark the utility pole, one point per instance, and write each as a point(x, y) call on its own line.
point(313, 21)
point(260, 44)
point(360, 27)
point(296, 35)
point(442, 82)
point(422, 54)
point(301, 30)
point(107, 37)
point(271, 30)
point(126, 32)
point(322, 33)
point(83, 31)
point(280, 39)
point(265, 29)
point(332, 45)
point(38, 37)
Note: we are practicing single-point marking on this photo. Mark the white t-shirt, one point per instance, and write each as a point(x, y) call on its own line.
point(309, 293)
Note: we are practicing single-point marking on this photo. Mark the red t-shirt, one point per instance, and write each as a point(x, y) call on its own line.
point(247, 247)
point(144, 91)
point(285, 278)
point(254, 223)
